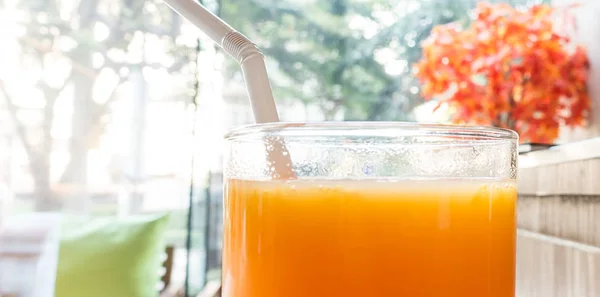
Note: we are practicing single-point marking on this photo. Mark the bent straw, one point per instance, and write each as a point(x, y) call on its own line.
point(254, 70)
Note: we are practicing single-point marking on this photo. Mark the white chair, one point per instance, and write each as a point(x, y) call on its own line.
point(29, 246)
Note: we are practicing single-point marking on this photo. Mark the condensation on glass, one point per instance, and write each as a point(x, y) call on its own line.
point(375, 150)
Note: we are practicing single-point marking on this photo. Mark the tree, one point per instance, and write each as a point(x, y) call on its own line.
point(318, 59)
point(77, 48)
point(346, 55)
point(510, 69)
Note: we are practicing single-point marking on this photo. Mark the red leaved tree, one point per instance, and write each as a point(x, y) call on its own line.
point(509, 69)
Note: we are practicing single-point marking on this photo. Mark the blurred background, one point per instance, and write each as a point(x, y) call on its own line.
point(112, 108)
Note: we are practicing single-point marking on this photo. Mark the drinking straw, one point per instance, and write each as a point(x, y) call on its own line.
point(254, 70)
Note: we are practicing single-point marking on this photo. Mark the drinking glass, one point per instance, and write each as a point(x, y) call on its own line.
point(375, 209)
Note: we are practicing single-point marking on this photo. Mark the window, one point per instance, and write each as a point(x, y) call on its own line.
point(97, 98)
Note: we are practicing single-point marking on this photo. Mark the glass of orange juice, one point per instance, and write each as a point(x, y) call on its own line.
point(375, 209)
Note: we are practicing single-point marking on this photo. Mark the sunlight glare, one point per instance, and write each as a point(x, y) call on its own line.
point(116, 55)
point(104, 85)
point(63, 110)
point(385, 17)
point(156, 50)
point(97, 60)
point(30, 117)
point(396, 67)
point(367, 27)
point(101, 31)
point(124, 72)
point(56, 69)
point(135, 48)
point(10, 25)
point(189, 36)
point(385, 55)
point(65, 43)
point(425, 112)
point(67, 9)
point(28, 97)
point(9, 58)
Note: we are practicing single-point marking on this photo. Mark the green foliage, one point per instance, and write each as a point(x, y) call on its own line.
point(321, 60)
point(320, 53)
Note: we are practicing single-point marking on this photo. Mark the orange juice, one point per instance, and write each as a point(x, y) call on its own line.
point(411, 238)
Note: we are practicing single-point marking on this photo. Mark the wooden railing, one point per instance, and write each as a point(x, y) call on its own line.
point(549, 266)
point(559, 222)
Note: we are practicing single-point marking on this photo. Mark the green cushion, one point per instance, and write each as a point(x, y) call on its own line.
point(111, 257)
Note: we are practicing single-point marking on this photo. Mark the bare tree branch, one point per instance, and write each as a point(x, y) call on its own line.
point(104, 107)
point(20, 129)
point(13, 109)
point(96, 125)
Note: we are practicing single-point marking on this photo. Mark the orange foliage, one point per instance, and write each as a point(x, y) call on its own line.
point(509, 69)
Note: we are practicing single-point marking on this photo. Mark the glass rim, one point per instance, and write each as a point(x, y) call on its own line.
point(368, 128)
